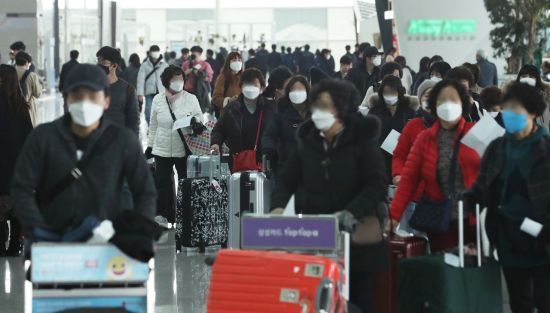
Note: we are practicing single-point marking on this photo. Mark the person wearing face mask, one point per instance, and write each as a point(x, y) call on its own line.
point(292, 111)
point(276, 83)
point(513, 185)
point(123, 109)
point(529, 74)
point(198, 76)
point(337, 167)
point(195, 68)
point(438, 70)
point(394, 111)
point(74, 167)
point(424, 119)
point(164, 142)
point(367, 74)
point(227, 87)
point(29, 82)
point(441, 165)
point(388, 69)
point(15, 127)
point(238, 127)
point(148, 81)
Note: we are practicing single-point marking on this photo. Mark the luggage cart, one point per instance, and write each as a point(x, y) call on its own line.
point(74, 276)
point(304, 234)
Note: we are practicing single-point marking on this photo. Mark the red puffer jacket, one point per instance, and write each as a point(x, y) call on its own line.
point(421, 168)
point(411, 131)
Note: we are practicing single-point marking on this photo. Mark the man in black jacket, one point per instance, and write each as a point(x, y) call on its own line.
point(123, 109)
point(366, 74)
point(274, 58)
point(66, 68)
point(76, 165)
point(305, 61)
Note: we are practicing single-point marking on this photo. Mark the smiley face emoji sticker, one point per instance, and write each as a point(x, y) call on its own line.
point(118, 268)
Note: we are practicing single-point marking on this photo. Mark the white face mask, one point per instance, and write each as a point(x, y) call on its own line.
point(377, 61)
point(236, 66)
point(425, 105)
point(155, 54)
point(494, 114)
point(251, 92)
point(297, 96)
point(528, 80)
point(449, 111)
point(177, 85)
point(436, 79)
point(323, 120)
point(391, 100)
point(85, 113)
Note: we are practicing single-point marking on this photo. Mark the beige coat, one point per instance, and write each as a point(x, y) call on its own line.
point(34, 90)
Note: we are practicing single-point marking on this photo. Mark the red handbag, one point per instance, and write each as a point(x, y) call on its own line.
point(246, 159)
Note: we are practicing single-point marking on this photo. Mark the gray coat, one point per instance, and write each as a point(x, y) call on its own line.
point(153, 84)
point(487, 74)
point(49, 154)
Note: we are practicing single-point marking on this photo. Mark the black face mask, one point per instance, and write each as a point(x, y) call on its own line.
point(106, 69)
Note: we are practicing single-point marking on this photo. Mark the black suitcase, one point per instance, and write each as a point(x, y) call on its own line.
point(201, 213)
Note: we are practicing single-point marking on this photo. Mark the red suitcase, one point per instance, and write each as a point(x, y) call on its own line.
point(258, 281)
point(385, 290)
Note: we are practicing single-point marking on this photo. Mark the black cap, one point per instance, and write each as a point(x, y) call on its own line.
point(370, 51)
point(109, 53)
point(86, 75)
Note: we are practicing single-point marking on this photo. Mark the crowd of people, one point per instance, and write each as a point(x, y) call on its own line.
point(321, 129)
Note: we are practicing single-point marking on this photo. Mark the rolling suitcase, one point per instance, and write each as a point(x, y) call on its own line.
point(201, 213)
point(258, 281)
point(249, 192)
point(443, 284)
point(207, 165)
point(397, 248)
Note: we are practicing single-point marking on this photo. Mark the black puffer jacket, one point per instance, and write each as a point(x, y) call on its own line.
point(349, 176)
point(14, 129)
point(280, 135)
point(228, 129)
point(397, 121)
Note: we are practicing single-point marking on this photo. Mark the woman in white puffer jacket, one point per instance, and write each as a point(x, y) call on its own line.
point(165, 144)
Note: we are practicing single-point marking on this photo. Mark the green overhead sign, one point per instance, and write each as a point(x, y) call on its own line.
point(441, 27)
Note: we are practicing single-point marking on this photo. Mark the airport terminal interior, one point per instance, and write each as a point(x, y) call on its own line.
point(305, 156)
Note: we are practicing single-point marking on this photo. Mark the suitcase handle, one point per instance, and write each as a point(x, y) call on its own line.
point(323, 298)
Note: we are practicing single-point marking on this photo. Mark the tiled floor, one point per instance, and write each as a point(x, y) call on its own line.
point(180, 282)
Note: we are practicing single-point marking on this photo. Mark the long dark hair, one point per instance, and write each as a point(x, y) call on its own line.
point(226, 70)
point(11, 89)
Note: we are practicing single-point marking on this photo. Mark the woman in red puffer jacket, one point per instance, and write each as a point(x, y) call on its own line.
point(413, 128)
point(429, 161)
